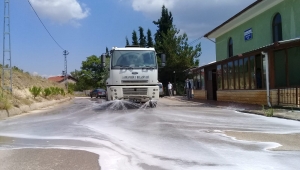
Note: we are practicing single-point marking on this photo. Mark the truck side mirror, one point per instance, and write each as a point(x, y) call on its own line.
point(163, 60)
point(103, 57)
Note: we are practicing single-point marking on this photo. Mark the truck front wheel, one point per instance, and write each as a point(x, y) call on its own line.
point(152, 104)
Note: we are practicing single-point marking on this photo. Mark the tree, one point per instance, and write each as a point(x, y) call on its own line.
point(134, 38)
point(127, 42)
point(76, 74)
point(107, 53)
point(92, 72)
point(149, 39)
point(142, 37)
point(179, 54)
point(164, 24)
point(35, 91)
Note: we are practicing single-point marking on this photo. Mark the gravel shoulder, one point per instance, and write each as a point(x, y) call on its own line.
point(48, 159)
point(288, 142)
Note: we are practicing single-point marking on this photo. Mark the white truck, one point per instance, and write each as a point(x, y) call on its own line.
point(133, 75)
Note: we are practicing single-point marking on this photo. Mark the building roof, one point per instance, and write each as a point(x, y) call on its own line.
point(251, 11)
point(60, 79)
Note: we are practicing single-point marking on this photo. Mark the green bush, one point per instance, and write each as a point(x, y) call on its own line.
point(4, 102)
point(70, 91)
point(62, 92)
point(268, 112)
point(46, 92)
point(35, 91)
point(55, 90)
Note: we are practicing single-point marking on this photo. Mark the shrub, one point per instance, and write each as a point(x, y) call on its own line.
point(4, 102)
point(46, 92)
point(35, 91)
point(269, 112)
point(70, 91)
point(62, 92)
point(55, 90)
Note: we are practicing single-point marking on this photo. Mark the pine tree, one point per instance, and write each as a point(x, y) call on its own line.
point(149, 39)
point(127, 42)
point(134, 38)
point(164, 24)
point(107, 52)
point(179, 54)
point(142, 37)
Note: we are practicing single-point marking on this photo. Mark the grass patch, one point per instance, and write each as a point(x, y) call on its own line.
point(268, 112)
point(5, 103)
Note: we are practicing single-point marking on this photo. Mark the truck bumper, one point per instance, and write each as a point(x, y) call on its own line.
point(135, 93)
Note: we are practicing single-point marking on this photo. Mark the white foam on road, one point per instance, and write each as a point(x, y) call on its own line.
point(163, 138)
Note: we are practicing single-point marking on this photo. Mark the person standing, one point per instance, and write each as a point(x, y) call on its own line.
point(170, 87)
point(188, 88)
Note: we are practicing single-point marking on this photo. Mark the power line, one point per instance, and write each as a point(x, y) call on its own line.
point(194, 41)
point(44, 25)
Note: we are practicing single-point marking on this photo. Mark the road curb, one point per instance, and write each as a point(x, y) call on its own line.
point(283, 113)
point(25, 109)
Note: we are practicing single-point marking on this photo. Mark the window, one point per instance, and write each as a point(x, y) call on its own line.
point(293, 66)
point(202, 80)
point(236, 74)
point(252, 73)
point(198, 79)
point(219, 77)
point(195, 79)
point(246, 72)
point(259, 72)
point(230, 75)
point(280, 68)
point(230, 48)
point(241, 71)
point(277, 28)
point(225, 74)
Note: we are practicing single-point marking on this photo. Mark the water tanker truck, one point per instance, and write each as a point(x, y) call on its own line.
point(133, 74)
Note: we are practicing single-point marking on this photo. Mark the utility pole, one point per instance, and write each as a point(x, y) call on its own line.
point(65, 52)
point(6, 66)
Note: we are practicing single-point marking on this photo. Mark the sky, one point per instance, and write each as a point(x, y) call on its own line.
point(87, 27)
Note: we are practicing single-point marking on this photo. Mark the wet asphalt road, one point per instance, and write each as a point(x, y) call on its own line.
point(89, 133)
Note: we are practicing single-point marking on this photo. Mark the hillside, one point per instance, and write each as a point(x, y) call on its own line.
point(21, 95)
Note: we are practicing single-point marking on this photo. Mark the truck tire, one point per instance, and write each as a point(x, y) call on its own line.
point(152, 104)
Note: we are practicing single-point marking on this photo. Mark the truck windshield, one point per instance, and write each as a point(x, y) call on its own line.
point(134, 59)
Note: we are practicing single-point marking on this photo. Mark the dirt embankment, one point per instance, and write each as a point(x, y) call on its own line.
point(21, 100)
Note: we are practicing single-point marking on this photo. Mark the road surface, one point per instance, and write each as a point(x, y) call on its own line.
point(91, 134)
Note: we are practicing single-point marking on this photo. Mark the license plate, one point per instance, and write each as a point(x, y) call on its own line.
point(135, 77)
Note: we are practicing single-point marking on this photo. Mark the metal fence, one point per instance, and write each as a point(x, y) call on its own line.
point(289, 96)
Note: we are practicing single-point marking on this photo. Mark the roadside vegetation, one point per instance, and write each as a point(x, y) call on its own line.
point(28, 89)
point(268, 112)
